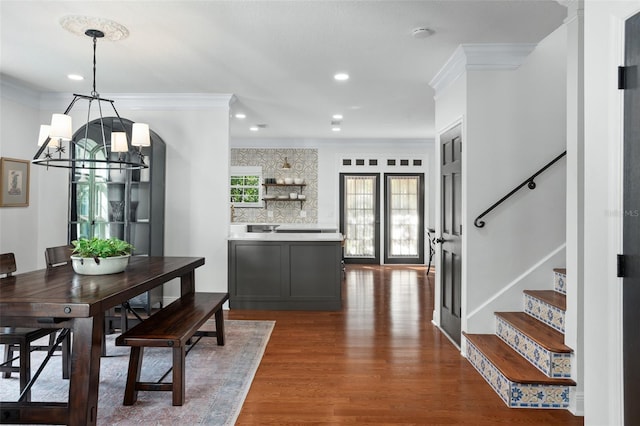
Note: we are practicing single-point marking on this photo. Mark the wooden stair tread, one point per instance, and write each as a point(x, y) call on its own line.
point(550, 297)
point(545, 336)
point(513, 366)
point(560, 270)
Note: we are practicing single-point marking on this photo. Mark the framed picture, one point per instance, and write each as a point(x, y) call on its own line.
point(14, 182)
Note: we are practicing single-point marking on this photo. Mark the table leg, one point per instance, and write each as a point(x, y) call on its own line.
point(188, 283)
point(85, 370)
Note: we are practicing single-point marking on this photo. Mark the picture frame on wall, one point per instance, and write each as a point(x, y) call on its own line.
point(14, 182)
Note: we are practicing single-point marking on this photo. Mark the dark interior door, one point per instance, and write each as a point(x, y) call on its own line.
point(631, 224)
point(450, 254)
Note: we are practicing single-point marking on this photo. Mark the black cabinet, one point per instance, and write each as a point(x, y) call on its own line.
point(285, 275)
point(126, 204)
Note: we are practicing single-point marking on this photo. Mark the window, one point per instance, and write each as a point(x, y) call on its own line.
point(245, 186)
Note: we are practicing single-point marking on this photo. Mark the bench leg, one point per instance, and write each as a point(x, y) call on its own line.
point(133, 375)
point(66, 357)
point(220, 327)
point(178, 375)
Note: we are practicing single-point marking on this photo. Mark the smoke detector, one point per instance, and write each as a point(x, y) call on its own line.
point(422, 32)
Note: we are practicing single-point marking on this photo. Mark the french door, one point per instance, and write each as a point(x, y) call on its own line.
point(360, 217)
point(404, 213)
point(360, 211)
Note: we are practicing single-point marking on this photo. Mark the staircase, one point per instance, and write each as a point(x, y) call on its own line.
point(526, 362)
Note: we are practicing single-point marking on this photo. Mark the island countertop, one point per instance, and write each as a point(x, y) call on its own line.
point(286, 232)
point(285, 236)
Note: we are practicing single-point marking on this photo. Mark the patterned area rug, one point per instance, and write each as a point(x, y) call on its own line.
point(217, 380)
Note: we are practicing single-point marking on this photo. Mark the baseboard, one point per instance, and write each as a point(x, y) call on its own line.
point(576, 407)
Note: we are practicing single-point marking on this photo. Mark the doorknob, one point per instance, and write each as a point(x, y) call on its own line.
point(440, 240)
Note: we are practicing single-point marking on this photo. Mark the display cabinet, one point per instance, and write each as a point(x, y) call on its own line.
point(126, 204)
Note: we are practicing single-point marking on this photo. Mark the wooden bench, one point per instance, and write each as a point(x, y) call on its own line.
point(172, 327)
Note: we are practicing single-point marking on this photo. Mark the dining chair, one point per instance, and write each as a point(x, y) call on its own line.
point(55, 257)
point(58, 256)
point(19, 339)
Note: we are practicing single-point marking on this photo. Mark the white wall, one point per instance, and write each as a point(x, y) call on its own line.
point(604, 26)
point(516, 123)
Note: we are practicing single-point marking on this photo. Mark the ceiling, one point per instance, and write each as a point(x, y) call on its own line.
point(277, 57)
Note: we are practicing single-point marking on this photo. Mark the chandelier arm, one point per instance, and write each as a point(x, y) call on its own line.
point(104, 139)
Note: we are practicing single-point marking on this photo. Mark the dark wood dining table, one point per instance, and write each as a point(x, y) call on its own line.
point(60, 298)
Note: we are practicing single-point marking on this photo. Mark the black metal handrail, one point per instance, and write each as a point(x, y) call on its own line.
point(529, 182)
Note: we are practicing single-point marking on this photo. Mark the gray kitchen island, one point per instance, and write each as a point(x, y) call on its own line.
point(285, 270)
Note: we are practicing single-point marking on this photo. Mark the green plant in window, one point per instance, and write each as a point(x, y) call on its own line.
point(252, 180)
point(236, 180)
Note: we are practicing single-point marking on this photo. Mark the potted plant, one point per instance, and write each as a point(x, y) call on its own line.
point(100, 256)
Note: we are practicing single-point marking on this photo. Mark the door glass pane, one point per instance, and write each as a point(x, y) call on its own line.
point(360, 216)
point(404, 216)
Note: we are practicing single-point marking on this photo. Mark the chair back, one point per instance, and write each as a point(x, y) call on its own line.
point(7, 264)
point(58, 256)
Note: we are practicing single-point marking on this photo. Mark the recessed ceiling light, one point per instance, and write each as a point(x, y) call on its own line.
point(240, 115)
point(335, 129)
point(75, 77)
point(341, 76)
point(253, 128)
point(337, 116)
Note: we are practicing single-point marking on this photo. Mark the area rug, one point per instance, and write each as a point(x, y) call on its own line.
point(218, 379)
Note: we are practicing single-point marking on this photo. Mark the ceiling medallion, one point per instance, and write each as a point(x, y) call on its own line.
point(79, 24)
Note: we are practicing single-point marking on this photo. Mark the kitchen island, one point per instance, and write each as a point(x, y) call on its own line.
point(285, 270)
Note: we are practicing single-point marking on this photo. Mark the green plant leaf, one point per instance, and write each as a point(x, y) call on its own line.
point(101, 247)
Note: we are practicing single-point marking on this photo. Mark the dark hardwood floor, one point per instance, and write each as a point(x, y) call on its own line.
point(378, 361)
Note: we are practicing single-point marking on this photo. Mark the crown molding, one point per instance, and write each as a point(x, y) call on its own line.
point(494, 56)
point(14, 91)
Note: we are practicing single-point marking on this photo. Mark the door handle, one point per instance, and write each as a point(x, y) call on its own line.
point(440, 240)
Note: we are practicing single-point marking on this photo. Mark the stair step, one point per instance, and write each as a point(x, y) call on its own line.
point(550, 297)
point(516, 381)
point(550, 339)
point(510, 363)
point(538, 343)
point(547, 306)
point(562, 271)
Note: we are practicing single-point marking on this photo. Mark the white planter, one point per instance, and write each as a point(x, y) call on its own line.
point(107, 265)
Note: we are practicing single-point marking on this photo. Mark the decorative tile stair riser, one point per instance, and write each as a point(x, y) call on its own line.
point(550, 363)
point(518, 395)
point(550, 315)
point(559, 281)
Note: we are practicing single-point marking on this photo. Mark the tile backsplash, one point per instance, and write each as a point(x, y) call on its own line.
point(304, 164)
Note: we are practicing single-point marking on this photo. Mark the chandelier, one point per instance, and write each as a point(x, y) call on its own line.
point(58, 148)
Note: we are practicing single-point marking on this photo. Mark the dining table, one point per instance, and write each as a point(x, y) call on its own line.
point(61, 298)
